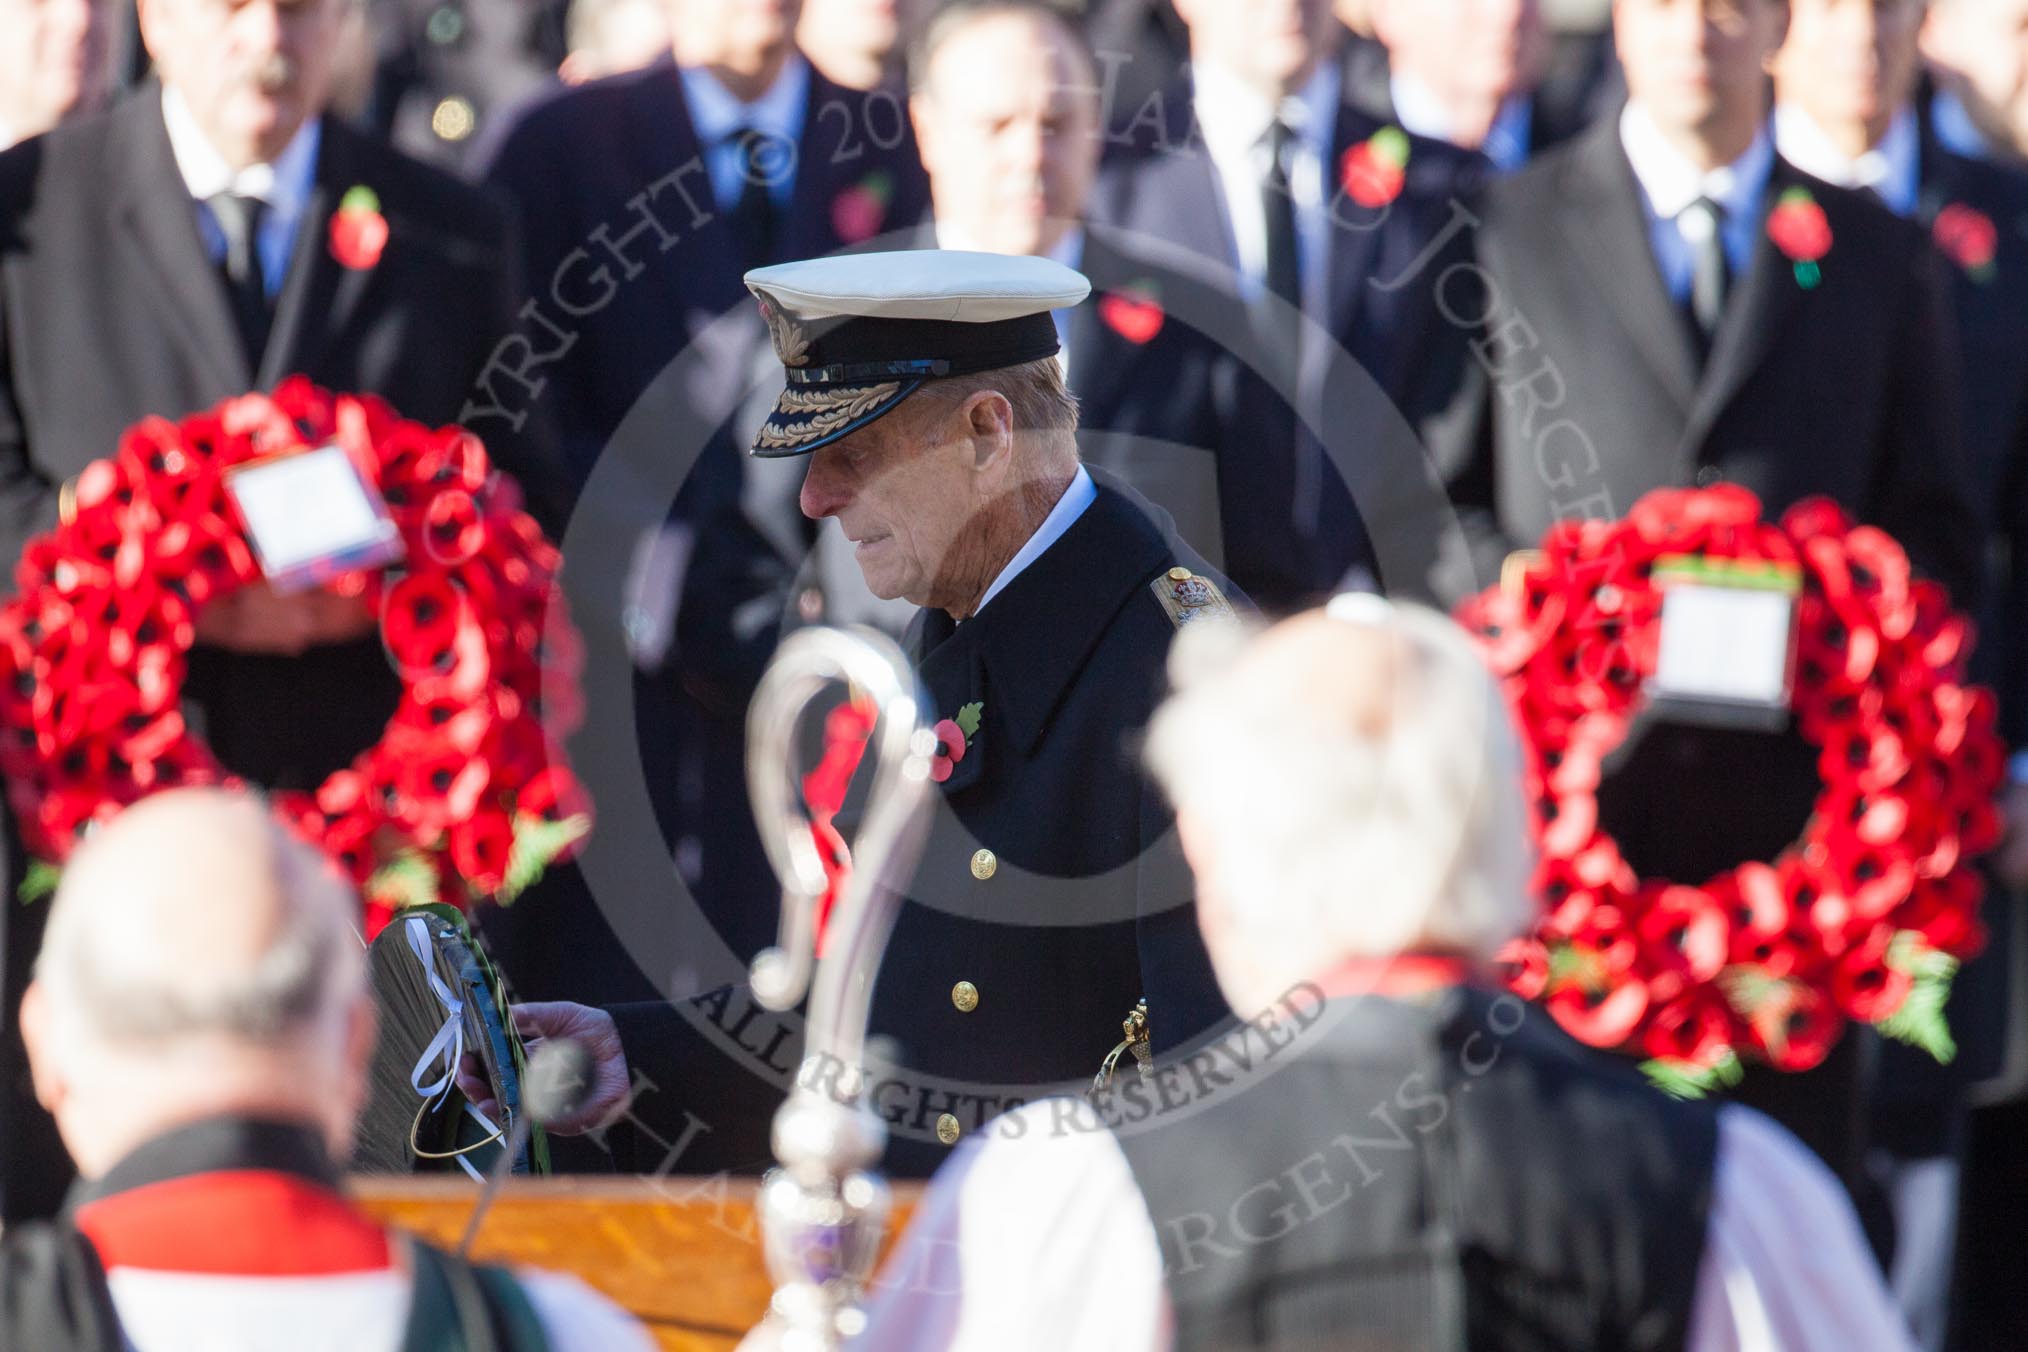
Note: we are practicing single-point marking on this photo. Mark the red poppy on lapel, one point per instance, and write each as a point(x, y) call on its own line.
point(1968, 238)
point(358, 230)
point(859, 211)
point(1799, 228)
point(1133, 312)
point(1374, 171)
point(954, 738)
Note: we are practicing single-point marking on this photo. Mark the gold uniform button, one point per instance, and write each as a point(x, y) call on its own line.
point(965, 996)
point(948, 1129)
point(1179, 575)
point(984, 865)
point(454, 119)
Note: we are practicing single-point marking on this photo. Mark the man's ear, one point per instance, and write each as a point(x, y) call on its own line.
point(1932, 39)
point(50, 1089)
point(989, 419)
point(148, 16)
point(1783, 15)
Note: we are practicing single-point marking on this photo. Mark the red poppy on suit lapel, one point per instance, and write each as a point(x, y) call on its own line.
point(1799, 228)
point(358, 230)
point(952, 743)
point(1967, 237)
point(1134, 312)
point(858, 212)
point(1374, 171)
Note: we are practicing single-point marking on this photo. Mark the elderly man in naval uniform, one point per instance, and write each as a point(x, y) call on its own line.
point(925, 393)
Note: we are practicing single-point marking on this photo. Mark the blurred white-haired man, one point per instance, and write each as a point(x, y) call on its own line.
point(1391, 1152)
point(200, 1026)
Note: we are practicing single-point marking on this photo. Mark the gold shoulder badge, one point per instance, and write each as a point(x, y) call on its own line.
point(1189, 598)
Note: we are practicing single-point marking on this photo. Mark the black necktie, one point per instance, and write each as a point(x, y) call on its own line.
point(239, 220)
point(753, 214)
point(1703, 227)
point(1284, 266)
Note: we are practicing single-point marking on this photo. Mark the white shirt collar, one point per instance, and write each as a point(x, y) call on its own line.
point(1418, 109)
point(1671, 182)
point(1081, 494)
point(1233, 118)
point(1892, 168)
point(1233, 115)
point(283, 183)
point(716, 113)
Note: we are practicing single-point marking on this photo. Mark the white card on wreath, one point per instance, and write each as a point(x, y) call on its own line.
point(311, 516)
point(1728, 633)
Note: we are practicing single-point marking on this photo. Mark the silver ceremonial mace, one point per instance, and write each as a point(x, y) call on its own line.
point(824, 1209)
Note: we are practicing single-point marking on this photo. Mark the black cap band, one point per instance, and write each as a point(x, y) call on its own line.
point(862, 349)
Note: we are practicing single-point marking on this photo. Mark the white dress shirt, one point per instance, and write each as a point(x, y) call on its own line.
point(1419, 110)
point(342, 1312)
point(1234, 118)
point(716, 113)
point(283, 185)
point(1893, 168)
point(1080, 495)
point(1671, 184)
point(1043, 1240)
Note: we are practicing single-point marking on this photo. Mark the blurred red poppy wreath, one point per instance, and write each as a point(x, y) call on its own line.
point(465, 797)
point(1868, 913)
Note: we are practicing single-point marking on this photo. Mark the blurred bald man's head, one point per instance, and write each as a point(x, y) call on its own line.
point(1348, 786)
point(199, 960)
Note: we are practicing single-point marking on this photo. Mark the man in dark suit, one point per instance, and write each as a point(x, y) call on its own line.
point(643, 198)
point(1492, 80)
point(1309, 207)
point(179, 250)
point(925, 399)
point(1006, 107)
point(1846, 91)
point(1644, 315)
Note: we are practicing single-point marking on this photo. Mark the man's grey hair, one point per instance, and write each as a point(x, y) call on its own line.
point(99, 966)
point(1042, 403)
point(1352, 814)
